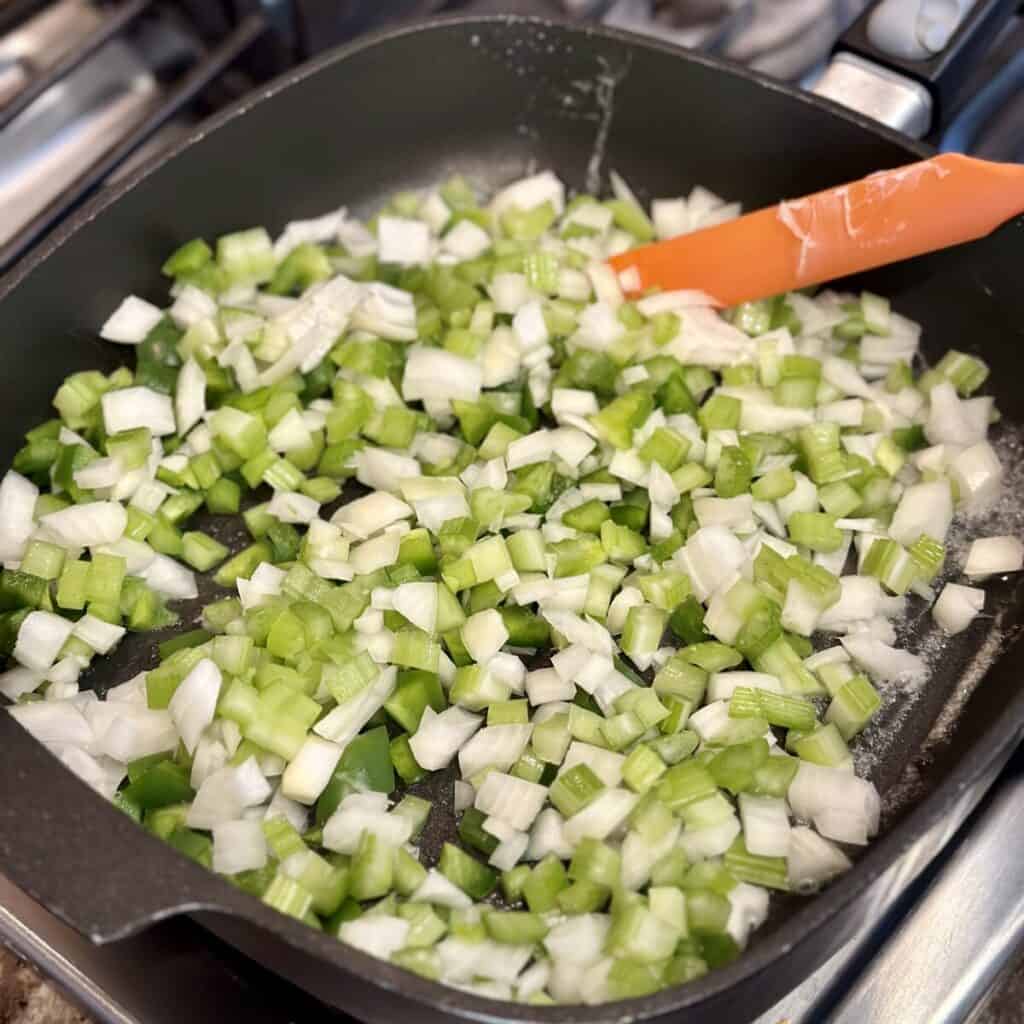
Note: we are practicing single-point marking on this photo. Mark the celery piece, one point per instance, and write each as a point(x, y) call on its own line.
point(201, 551)
point(223, 497)
point(187, 258)
point(574, 789)
point(824, 746)
point(515, 927)
point(815, 530)
point(734, 767)
point(42, 560)
point(769, 872)
point(777, 483)
point(733, 473)
point(685, 783)
point(617, 420)
point(105, 578)
point(587, 517)
point(372, 871)
point(473, 878)
point(642, 769)
point(547, 879)
point(853, 706)
point(775, 708)
point(720, 412)
point(667, 447)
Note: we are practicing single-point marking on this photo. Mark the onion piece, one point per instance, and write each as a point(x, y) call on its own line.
point(579, 939)
point(54, 722)
point(497, 746)
point(18, 681)
point(40, 639)
point(128, 408)
point(990, 555)
point(380, 935)
point(484, 635)
point(462, 960)
point(957, 607)
point(440, 736)
point(748, 910)
point(884, 662)
point(189, 396)
point(526, 193)
point(842, 806)
point(170, 578)
point(382, 470)
point(925, 508)
point(293, 507)
point(101, 636)
point(765, 821)
point(437, 890)
point(370, 514)
point(601, 817)
point(548, 837)
point(466, 241)
point(103, 774)
point(91, 524)
point(226, 794)
point(978, 475)
point(361, 813)
point(238, 846)
point(135, 732)
point(194, 702)
point(437, 374)
point(131, 321)
point(513, 800)
point(18, 497)
point(811, 860)
point(309, 772)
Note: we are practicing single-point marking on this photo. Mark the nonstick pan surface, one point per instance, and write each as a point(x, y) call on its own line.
point(494, 98)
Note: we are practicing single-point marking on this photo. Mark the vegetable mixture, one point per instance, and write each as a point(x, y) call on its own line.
point(503, 519)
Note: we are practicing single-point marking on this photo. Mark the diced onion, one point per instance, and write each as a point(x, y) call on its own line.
point(238, 846)
point(194, 702)
point(310, 770)
point(957, 607)
point(441, 736)
point(990, 555)
point(129, 408)
point(131, 321)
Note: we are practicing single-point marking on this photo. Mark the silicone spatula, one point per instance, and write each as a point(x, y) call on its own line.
point(886, 217)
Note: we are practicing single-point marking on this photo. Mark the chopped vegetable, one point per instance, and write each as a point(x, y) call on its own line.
point(584, 549)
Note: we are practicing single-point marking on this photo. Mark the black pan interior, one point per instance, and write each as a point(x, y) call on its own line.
point(493, 99)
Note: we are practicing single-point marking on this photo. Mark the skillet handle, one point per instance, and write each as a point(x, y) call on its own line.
point(86, 861)
point(934, 44)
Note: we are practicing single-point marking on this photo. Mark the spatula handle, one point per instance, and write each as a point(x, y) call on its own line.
point(884, 218)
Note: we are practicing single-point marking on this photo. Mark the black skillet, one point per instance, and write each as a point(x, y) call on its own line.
point(493, 98)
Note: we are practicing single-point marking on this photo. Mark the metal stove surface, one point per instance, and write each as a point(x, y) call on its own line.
point(928, 957)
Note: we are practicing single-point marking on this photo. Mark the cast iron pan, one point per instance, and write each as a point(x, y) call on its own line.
point(494, 98)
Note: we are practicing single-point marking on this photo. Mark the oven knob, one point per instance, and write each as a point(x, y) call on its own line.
point(916, 29)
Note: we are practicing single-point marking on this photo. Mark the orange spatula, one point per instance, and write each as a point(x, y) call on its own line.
point(884, 218)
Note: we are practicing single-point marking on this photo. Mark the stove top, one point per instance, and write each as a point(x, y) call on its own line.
point(86, 85)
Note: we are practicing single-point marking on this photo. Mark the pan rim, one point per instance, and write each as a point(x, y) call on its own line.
point(979, 759)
